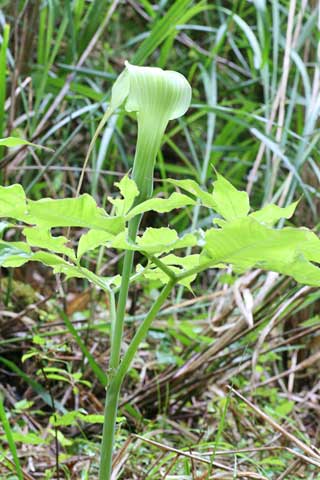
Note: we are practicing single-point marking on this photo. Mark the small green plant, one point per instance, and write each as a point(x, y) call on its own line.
point(237, 236)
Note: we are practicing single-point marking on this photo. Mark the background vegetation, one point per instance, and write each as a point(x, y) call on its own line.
point(227, 384)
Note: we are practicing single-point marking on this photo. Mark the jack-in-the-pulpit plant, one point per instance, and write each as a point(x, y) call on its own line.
point(157, 96)
point(237, 237)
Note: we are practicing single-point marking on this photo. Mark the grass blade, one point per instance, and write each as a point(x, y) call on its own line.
point(10, 440)
point(3, 71)
point(162, 29)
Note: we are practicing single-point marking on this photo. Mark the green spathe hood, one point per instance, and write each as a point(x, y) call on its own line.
point(152, 90)
point(157, 96)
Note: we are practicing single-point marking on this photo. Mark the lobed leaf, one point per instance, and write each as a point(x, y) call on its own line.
point(48, 213)
point(75, 271)
point(71, 418)
point(91, 240)
point(245, 243)
point(162, 205)
point(13, 203)
point(225, 199)
point(230, 203)
point(129, 192)
point(72, 212)
point(194, 189)
point(49, 259)
point(39, 237)
point(14, 254)
point(26, 439)
point(155, 241)
point(270, 214)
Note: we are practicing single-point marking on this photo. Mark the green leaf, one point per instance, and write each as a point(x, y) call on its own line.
point(277, 150)
point(193, 188)
point(13, 142)
point(18, 142)
point(72, 212)
point(270, 214)
point(39, 237)
point(64, 442)
point(155, 240)
point(49, 259)
point(12, 202)
point(23, 405)
point(129, 191)
point(273, 461)
point(166, 358)
point(91, 240)
point(284, 408)
point(229, 202)
point(71, 418)
point(37, 340)
point(93, 418)
point(58, 378)
point(75, 271)
point(65, 420)
point(252, 39)
point(311, 321)
point(245, 243)
point(14, 254)
point(28, 355)
point(162, 205)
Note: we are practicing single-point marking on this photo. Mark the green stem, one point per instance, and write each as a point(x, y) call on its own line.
point(142, 331)
point(117, 328)
point(113, 391)
point(110, 418)
point(148, 143)
point(162, 266)
point(198, 269)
